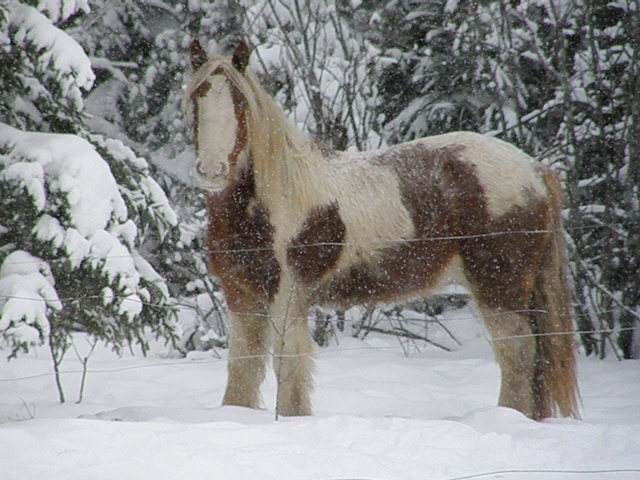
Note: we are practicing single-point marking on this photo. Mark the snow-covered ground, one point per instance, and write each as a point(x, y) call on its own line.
point(382, 411)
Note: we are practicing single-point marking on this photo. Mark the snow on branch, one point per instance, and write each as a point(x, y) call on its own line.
point(61, 10)
point(65, 207)
point(56, 49)
point(68, 165)
point(27, 296)
point(96, 225)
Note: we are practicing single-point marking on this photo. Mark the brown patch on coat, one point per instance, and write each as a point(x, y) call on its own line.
point(240, 106)
point(199, 92)
point(501, 256)
point(317, 247)
point(239, 241)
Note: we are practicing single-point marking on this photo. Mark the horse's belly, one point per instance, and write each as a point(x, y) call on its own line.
point(393, 277)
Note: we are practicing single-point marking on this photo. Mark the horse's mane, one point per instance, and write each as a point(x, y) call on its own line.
point(277, 147)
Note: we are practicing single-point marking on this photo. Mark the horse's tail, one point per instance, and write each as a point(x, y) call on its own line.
point(555, 381)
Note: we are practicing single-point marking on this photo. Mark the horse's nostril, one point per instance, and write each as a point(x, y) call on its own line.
point(224, 170)
point(200, 171)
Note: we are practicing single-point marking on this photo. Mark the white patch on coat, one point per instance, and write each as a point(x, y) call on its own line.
point(370, 206)
point(506, 173)
point(217, 128)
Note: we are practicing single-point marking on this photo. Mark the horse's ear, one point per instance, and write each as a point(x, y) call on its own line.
point(197, 54)
point(240, 58)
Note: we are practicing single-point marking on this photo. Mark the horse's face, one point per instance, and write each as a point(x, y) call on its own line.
point(215, 132)
point(220, 125)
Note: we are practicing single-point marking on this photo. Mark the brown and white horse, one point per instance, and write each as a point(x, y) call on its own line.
point(292, 225)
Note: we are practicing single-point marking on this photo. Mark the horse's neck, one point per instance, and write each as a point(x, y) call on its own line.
point(297, 182)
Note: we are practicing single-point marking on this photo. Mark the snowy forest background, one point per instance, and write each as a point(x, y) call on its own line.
point(100, 220)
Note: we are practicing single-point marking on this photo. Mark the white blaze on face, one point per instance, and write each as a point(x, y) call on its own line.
point(217, 128)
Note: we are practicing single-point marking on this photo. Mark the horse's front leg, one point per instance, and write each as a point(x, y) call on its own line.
point(292, 362)
point(249, 342)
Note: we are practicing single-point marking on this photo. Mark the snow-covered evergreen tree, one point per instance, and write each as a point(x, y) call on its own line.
point(43, 70)
point(599, 144)
point(458, 65)
point(557, 78)
point(75, 206)
point(139, 51)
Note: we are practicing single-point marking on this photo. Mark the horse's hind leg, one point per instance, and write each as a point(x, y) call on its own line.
point(248, 352)
point(515, 349)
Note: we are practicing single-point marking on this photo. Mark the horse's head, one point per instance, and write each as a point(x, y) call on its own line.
point(220, 130)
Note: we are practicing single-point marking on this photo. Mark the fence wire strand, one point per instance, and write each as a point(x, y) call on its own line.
point(501, 473)
point(427, 318)
point(268, 355)
point(381, 242)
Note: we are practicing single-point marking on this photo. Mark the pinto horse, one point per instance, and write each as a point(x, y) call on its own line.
point(291, 224)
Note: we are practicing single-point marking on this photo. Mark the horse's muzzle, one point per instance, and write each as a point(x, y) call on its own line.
point(216, 181)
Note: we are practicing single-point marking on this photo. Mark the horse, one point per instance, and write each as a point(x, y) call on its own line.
point(292, 224)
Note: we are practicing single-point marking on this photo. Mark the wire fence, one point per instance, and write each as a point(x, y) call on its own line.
point(547, 472)
point(180, 362)
point(398, 320)
point(381, 242)
point(271, 354)
point(347, 320)
point(395, 317)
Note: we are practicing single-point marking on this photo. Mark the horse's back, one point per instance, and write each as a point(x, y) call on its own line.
point(506, 174)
